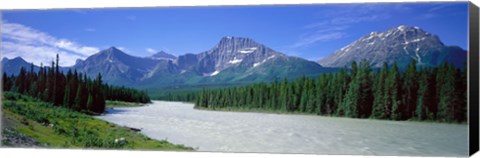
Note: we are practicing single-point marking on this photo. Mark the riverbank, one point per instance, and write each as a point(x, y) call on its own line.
point(58, 127)
point(114, 103)
point(267, 111)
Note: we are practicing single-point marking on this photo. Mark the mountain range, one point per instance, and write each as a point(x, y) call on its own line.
point(237, 60)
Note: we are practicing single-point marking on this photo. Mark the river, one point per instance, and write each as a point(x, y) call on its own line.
point(219, 131)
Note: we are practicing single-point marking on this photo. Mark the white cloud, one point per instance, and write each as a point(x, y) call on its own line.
point(335, 22)
point(40, 47)
point(441, 7)
point(150, 50)
point(318, 37)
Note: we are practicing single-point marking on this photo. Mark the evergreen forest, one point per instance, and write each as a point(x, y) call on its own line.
point(72, 90)
point(357, 91)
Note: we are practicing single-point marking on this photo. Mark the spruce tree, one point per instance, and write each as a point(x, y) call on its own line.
point(304, 97)
point(378, 109)
point(365, 100)
point(342, 86)
point(90, 103)
point(6, 82)
point(351, 99)
point(320, 90)
point(461, 96)
point(392, 96)
point(447, 98)
point(409, 89)
point(422, 96)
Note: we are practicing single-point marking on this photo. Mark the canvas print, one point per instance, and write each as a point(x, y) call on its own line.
point(332, 79)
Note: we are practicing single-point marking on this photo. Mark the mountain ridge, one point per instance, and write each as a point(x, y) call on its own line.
point(401, 44)
point(238, 59)
point(162, 55)
point(232, 59)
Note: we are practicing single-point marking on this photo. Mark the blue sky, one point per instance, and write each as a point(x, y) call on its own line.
point(308, 31)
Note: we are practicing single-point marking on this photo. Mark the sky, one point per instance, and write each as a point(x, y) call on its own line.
point(309, 31)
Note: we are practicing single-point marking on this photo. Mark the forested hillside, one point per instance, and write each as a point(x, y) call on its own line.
point(72, 90)
point(417, 93)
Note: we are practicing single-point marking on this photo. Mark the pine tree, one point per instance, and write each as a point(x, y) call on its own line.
point(310, 107)
point(460, 105)
point(365, 101)
point(351, 99)
point(410, 88)
point(56, 84)
point(329, 95)
point(90, 103)
point(7, 85)
point(20, 81)
point(297, 89)
point(284, 95)
point(304, 97)
point(378, 109)
point(422, 96)
point(447, 98)
point(82, 96)
point(99, 97)
point(392, 96)
point(321, 90)
point(342, 86)
point(66, 97)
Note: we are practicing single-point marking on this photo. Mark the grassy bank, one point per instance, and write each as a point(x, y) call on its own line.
point(58, 127)
point(111, 104)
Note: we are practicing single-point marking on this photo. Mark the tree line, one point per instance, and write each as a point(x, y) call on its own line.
point(426, 93)
point(186, 96)
point(72, 90)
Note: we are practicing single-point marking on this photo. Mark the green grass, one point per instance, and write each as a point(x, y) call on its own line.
point(60, 127)
point(110, 104)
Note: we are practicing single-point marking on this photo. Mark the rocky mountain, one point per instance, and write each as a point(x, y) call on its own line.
point(13, 66)
point(231, 52)
point(232, 60)
point(162, 55)
point(401, 45)
point(116, 66)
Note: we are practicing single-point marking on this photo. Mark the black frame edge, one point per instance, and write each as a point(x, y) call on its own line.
point(473, 69)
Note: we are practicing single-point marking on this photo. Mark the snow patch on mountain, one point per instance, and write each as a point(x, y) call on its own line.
point(263, 61)
point(247, 50)
point(211, 74)
point(235, 61)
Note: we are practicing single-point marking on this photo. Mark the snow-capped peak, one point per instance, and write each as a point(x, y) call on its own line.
point(397, 43)
point(402, 27)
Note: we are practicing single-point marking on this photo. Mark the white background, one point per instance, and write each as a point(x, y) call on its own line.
point(48, 4)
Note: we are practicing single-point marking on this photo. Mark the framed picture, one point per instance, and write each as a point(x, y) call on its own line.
point(373, 79)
